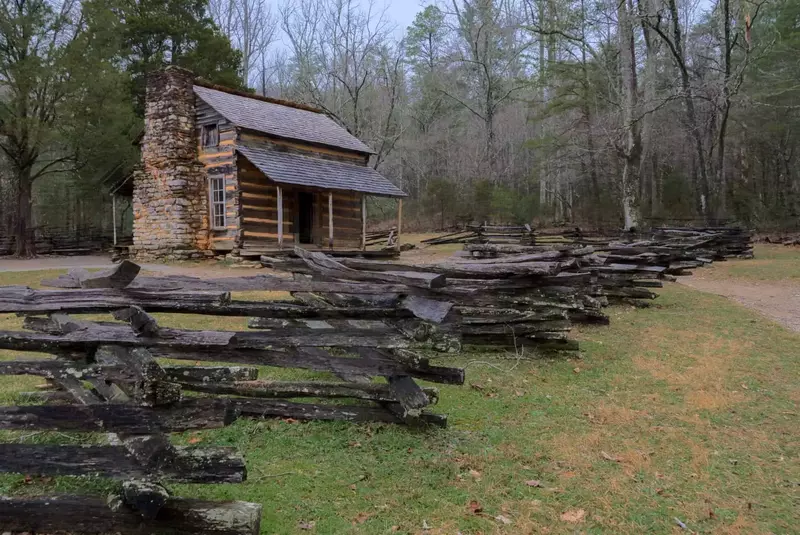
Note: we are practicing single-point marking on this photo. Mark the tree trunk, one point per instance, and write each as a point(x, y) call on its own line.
point(25, 247)
point(632, 147)
point(722, 205)
point(587, 118)
point(648, 161)
point(691, 115)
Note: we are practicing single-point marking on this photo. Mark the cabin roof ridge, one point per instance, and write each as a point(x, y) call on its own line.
point(202, 82)
point(281, 118)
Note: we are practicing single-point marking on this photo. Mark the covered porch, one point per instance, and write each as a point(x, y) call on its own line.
point(288, 199)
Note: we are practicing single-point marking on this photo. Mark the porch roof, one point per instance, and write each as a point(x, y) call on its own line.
point(289, 168)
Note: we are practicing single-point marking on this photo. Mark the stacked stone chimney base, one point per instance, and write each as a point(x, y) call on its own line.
point(170, 191)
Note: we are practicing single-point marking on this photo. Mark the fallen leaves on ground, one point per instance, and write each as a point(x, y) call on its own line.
point(307, 525)
point(361, 518)
point(533, 483)
point(574, 516)
point(503, 519)
point(474, 507)
point(608, 457)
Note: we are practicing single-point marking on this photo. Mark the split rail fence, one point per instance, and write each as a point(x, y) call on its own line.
point(106, 378)
point(718, 243)
point(512, 295)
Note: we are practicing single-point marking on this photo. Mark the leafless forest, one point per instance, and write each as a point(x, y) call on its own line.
point(597, 113)
point(518, 110)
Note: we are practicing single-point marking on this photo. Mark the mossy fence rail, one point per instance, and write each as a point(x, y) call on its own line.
point(104, 378)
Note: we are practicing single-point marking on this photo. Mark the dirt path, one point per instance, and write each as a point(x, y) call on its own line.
point(778, 301)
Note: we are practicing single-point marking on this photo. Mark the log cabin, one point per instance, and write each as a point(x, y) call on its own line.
point(225, 171)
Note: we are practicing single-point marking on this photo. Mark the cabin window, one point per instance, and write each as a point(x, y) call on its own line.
point(210, 135)
point(217, 198)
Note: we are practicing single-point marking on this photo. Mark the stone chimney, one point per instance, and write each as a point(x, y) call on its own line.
point(170, 192)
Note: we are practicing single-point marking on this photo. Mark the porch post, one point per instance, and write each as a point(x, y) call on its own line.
point(280, 217)
point(330, 219)
point(114, 215)
point(399, 220)
point(363, 222)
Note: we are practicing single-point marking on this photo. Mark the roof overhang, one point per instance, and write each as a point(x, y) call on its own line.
point(319, 173)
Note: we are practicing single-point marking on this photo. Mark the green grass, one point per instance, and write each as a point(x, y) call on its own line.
point(771, 263)
point(688, 409)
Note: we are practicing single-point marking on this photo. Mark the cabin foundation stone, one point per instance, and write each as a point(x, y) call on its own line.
point(170, 203)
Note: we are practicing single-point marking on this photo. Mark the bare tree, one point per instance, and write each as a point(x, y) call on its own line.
point(346, 63)
point(631, 148)
point(251, 27)
point(675, 44)
point(489, 46)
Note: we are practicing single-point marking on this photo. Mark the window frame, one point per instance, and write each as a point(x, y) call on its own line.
point(218, 221)
point(205, 137)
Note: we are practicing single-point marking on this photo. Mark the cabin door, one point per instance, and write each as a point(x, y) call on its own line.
point(305, 212)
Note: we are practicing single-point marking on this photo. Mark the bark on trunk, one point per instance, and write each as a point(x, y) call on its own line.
point(631, 138)
point(722, 205)
point(24, 246)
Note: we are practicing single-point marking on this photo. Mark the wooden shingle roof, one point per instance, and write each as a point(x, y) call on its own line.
point(279, 119)
point(290, 168)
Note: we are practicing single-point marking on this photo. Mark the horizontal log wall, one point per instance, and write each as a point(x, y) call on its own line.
point(303, 149)
point(220, 162)
point(346, 219)
point(259, 202)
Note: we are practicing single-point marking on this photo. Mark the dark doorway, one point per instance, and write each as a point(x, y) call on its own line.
point(305, 210)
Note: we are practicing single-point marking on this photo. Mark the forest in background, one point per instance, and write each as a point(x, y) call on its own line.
point(599, 113)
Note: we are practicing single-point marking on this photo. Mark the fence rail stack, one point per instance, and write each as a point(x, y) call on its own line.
point(109, 384)
point(485, 233)
point(506, 305)
point(719, 243)
point(300, 333)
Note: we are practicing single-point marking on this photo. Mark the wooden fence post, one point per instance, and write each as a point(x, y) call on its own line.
point(363, 222)
point(280, 217)
point(399, 221)
point(330, 219)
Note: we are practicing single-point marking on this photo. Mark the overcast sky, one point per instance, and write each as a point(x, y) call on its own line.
point(399, 12)
point(402, 12)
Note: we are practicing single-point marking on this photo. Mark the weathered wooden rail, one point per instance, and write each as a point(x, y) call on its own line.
point(374, 331)
point(715, 243)
point(485, 233)
point(300, 333)
point(134, 400)
point(505, 304)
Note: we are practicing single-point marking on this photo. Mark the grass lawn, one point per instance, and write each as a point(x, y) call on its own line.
point(686, 410)
point(772, 263)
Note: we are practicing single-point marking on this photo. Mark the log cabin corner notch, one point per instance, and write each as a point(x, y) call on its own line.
point(224, 171)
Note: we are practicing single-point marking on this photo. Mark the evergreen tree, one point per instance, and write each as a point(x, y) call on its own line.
point(157, 33)
point(63, 100)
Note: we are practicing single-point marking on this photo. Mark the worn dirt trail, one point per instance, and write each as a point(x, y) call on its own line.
point(779, 301)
